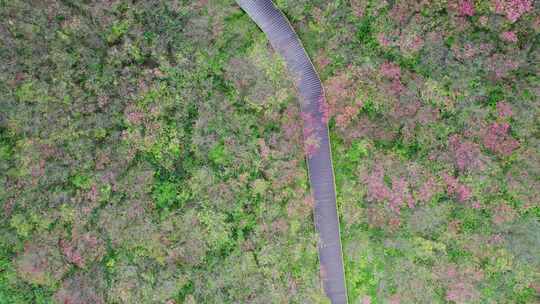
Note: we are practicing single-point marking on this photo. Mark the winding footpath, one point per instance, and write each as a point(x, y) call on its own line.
point(314, 113)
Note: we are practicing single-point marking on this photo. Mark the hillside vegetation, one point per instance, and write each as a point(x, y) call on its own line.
point(151, 152)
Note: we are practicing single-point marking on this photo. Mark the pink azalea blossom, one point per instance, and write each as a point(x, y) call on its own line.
point(312, 145)
point(466, 8)
point(311, 139)
point(502, 65)
point(324, 109)
point(377, 189)
point(390, 70)
point(309, 124)
point(397, 196)
point(291, 126)
point(71, 253)
point(383, 40)
point(503, 213)
point(504, 109)
point(512, 9)
point(394, 300)
point(498, 140)
point(465, 153)
point(496, 239)
point(410, 43)
point(394, 223)
point(397, 87)
point(483, 20)
point(344, 118)
point(134, 117)
point(464, 193)
point(509, 36)
point(400, 194)
point(460, 292)
point(323, 61)
point(454, 187)
point(264, 149)
point(427, 190)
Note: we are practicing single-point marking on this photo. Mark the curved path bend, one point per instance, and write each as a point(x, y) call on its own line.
point(314, 113)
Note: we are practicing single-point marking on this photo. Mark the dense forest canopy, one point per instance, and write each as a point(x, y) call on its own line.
point(152, 152)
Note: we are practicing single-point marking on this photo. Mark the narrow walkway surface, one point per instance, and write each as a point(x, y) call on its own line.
point(314, 113)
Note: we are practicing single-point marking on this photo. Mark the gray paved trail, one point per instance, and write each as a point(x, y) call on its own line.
point(311, 95)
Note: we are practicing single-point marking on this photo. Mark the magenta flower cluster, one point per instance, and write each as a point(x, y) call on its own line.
point(457, 189)
point(466, 8)
point(465, 153)
point(504, 110)
point(390, 70)
point(311, 140)
point(509, 36)
point(512, 9)
point(324, 109)
point(498, 139)
point(397, 195)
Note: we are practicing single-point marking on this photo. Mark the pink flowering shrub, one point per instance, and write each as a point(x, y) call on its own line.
point(322, 61)
point(509, 36)
point(402, 10)
point(133, 116)
point(512, 9)
point(410, 43)
point(390, 70)
point(311, 145)
point(460, 292)
point(82, 250)
point(383, 40)
point(342, 102)
point(498, 140)
point(292, 123)
point(466, 8)
point(396, 87)
point(349, 112)
point(377, 189)
point(338, 88)
point(469, 51)
point(460, 282)
point(264, 150)
point(466, 155)
point(457, 189)
point(501, 66)
point(358, 7)
point(395, 299)
point(405, 189)
point(427, 190)
point(71, 254)
point(311, 137)
point(40, 263)
point(324, 109)
point(169, 144)
point(504, 109)
point(503, 213)
point(406, 109)
point(81, 289)
point(400, 195)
